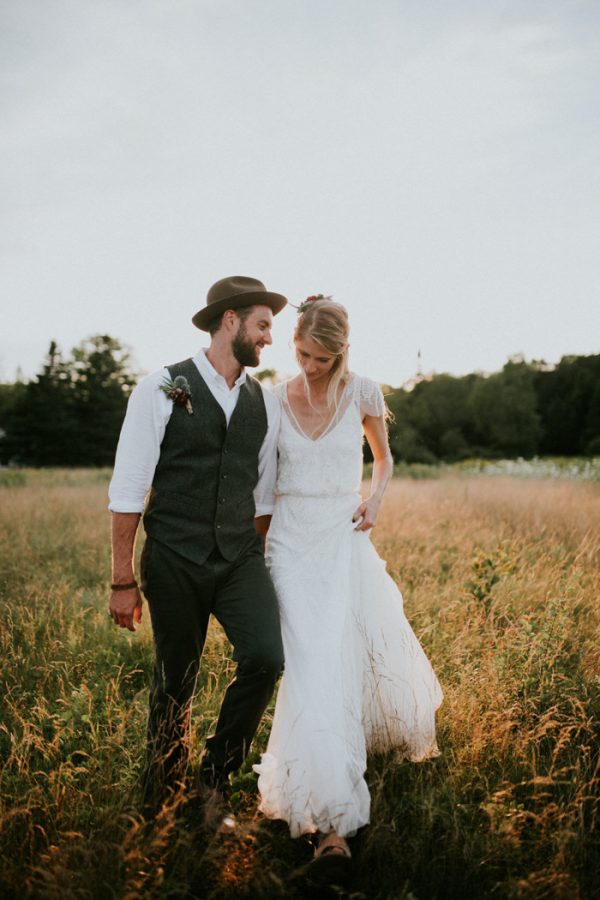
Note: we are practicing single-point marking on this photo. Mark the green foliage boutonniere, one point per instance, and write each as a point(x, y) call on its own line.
point(178, 391)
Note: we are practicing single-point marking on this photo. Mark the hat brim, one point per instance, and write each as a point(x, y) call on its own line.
point(204, 316)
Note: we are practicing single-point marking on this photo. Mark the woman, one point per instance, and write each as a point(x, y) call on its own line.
point(356, 678)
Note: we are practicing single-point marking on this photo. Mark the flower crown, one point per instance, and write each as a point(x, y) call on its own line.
point(302, 307)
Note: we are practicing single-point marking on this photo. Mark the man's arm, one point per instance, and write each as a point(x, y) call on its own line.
point(148, 412)
point(125, 607)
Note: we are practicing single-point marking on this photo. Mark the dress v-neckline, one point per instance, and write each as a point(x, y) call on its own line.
point(329, 428)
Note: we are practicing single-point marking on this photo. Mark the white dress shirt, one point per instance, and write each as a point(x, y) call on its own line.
point(148, 411)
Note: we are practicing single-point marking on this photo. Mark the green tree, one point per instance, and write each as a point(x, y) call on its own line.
point(406, 443)
point(569, 403)
point(10, 394)
point(590, 443)
point(504, 410)
point(439, 411)
point(266, 374)
point(40, 425)
point(71, 413)
point(101, 382)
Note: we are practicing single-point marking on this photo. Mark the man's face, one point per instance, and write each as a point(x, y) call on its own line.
point(252, 335)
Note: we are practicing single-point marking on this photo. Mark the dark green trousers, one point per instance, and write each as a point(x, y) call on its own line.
point(181, 597)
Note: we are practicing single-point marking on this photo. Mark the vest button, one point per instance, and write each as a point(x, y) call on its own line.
point(218, 526)
point(222, 500)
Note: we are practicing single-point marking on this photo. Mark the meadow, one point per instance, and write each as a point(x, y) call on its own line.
point(501, 580)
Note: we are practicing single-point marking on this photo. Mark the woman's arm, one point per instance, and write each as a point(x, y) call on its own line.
point(377, 438)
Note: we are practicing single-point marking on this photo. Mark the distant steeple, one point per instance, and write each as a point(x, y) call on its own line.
point(418, 376)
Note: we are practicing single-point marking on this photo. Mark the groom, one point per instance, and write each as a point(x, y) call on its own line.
point(201, 436)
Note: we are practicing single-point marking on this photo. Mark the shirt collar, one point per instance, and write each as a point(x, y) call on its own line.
point(207, 370)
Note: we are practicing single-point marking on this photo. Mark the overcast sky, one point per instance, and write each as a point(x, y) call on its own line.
point(433, 165)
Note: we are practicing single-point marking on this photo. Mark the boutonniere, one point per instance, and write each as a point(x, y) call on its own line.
point(178, 391)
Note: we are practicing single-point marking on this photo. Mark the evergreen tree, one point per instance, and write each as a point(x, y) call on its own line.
point(10, 395)
point(40, 425)
point(101, 384)
point(72, 412)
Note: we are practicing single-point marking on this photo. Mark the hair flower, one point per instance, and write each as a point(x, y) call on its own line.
point(302, 307)
point(178, 390)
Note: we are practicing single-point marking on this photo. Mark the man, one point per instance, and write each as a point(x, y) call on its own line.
point(202, 436)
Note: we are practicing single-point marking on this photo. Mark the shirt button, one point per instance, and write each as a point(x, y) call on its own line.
point(218, 526)
point(222, 500)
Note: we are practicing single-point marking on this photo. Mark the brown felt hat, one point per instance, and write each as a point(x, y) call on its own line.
point(234, 292)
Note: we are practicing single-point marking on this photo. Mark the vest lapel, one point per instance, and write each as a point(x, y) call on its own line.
point(239, 417)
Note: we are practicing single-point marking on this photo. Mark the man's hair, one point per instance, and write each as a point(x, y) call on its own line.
point(215, 324)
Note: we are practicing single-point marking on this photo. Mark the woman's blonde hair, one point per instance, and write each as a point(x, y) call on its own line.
point(326, 322)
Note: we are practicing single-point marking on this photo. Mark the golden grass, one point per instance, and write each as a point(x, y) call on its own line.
point(501, 583)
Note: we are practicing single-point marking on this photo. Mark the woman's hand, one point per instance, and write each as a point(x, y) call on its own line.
point(376, 433)
point(366, 514)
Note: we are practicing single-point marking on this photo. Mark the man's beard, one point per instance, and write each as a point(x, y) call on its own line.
point(243, 349)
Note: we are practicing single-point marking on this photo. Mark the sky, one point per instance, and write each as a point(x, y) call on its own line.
point(434, 166)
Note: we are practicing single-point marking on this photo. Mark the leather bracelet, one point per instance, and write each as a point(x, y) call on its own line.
point(124, 587)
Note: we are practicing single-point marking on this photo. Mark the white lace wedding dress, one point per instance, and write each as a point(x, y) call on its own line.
point(356, 678)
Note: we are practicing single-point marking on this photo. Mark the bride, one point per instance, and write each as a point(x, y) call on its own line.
point(356, 678)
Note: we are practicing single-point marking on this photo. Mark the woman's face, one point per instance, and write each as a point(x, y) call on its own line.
point(313, 359)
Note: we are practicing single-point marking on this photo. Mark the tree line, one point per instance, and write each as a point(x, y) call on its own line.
point(70, 414)
point(527, 409)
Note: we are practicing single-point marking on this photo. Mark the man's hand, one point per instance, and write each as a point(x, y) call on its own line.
point(261, 526)
point(125, 608)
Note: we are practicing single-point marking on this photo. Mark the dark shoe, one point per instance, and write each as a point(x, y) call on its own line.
point(217, 816)
point(332, 844)
point(332, 863)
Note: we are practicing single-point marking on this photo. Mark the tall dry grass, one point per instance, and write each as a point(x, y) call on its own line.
point(501, 583)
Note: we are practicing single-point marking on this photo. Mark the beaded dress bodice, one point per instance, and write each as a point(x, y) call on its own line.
point(330, 464)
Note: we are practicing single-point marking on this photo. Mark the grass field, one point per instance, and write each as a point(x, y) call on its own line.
point(501, 583)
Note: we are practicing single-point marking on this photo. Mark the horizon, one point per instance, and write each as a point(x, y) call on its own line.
point(408, 384)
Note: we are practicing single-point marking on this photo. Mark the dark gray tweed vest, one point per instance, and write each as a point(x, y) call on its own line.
point(202, 493)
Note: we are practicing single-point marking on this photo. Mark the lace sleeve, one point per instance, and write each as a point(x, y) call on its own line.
point(371, 398)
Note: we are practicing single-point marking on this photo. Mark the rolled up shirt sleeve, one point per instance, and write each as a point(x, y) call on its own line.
point(264, 493)
point(138, 450)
